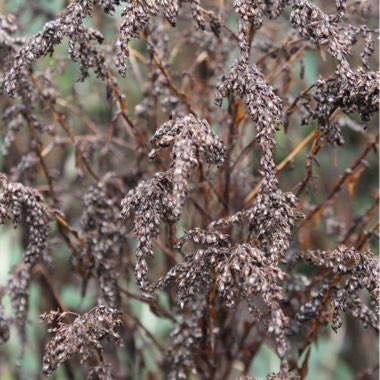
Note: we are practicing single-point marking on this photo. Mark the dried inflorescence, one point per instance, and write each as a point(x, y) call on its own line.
point(250, 18)
point(80, 49)
point(256, 276)
point(272, 215)
point(82, 337)
point(15, 200)
point(162, 197)
point(263, 106)
point(152, 203)
point(104, 235)
point(351, 91)
point(192, 141)
point(9, 43)
point(14, 121)
point(186, 341)
point(351, 270)
point(136, 16)
point(240, 274)
point(313, 24)
point(24, 205)
point(238, 271)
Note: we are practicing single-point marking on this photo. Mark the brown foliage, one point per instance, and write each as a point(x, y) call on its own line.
point(236, 277)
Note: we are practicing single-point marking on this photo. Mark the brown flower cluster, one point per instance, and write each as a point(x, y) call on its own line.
point(105, 235)
point(80, 50)
point(24, 205)
point(188, 204)
point(81, 337)
point(162, 197)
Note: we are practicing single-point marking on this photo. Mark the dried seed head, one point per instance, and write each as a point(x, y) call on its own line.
point(105, 235)
point(82, 337)
point(191, 140)
point(17, 200)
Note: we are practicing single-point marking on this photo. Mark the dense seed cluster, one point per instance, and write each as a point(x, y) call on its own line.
point(192, 141)
point(162, 198)
point(16, 199)
point(273, 212)
point(226, 266)
point(351, 271)
point(186, 337)
point(152, 203)
point(82, 337)
point(24, 205)
point(9, 43)
point(320, 28)
point(217, 243)
point(352, 91)
point(80, 47)
point(105, 235)
point(263, 106)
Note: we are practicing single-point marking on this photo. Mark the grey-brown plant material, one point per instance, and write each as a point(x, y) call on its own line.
point(152, 203)
point(4, 323)
point(189, 189)
point(104, 234)
point(80, 337)
point(163, 197)
point(24, 205)
point(186, 337)
point(192, 140)
point(363, 268)
point(137, 15)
